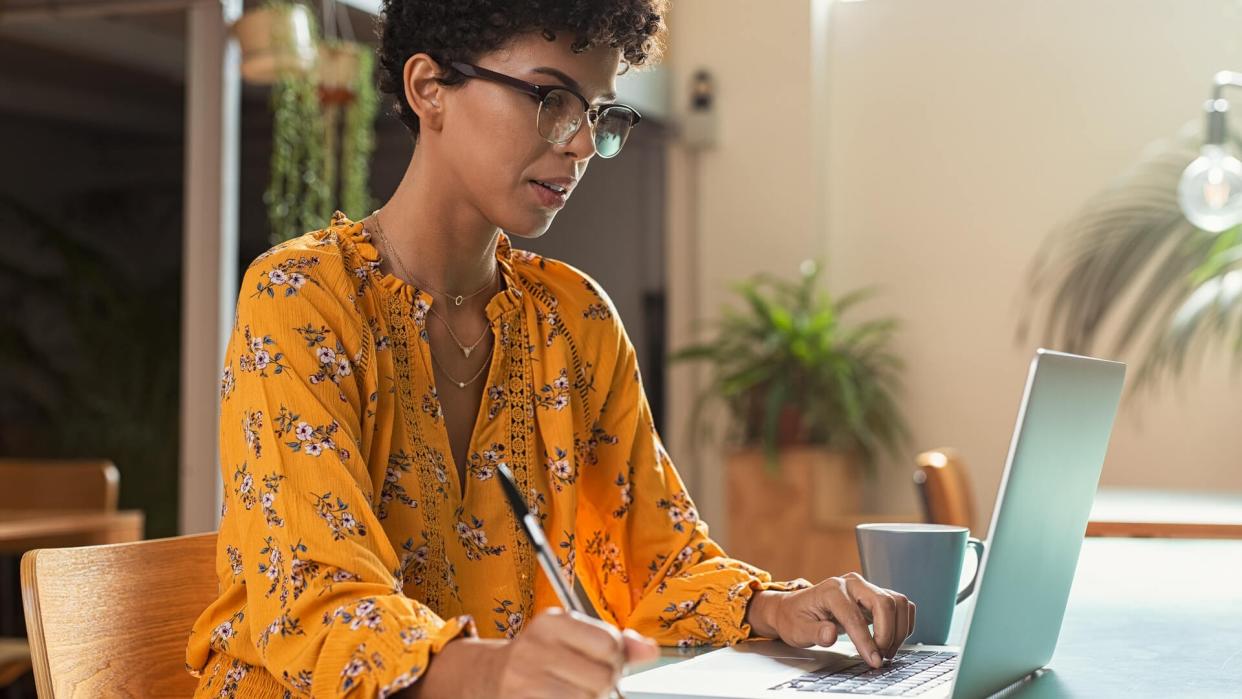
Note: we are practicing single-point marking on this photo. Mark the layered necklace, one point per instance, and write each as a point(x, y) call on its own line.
point(457, 300)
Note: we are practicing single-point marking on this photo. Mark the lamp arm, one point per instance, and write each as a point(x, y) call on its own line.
point(1218, 107)
point(1223, 79)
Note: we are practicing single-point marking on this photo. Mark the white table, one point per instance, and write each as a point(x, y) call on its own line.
point(1146, 618)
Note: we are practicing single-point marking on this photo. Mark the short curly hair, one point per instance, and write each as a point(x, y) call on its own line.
point(463, 30)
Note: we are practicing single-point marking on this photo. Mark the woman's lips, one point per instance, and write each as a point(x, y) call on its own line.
point(548, 198)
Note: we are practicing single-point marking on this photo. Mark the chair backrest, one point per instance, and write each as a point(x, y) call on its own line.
point(58, 484)
point(107, 621)
point(944, 488)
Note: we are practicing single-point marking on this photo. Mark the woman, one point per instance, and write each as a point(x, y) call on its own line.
point(381, 369)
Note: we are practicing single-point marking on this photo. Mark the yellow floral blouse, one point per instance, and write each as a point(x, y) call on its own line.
point(348, 553)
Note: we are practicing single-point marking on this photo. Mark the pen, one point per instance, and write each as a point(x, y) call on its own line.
point(543, 551)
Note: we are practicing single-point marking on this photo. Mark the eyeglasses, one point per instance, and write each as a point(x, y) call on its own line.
point(561, 110)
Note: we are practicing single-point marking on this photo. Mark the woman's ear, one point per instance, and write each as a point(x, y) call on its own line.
point(423, 90)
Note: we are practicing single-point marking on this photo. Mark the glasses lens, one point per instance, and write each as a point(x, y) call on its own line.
point(611, 129)
point(560, 116)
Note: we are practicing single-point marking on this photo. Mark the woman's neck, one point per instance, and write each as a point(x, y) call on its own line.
point(441, 242)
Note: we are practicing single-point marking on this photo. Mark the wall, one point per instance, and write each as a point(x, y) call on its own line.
point(612, 230)
point(744, 206)
point(959, 134)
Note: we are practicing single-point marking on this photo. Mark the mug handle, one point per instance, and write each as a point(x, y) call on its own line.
point(977, 545)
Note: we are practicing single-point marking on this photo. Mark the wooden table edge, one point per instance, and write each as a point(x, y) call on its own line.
point(1164, 530)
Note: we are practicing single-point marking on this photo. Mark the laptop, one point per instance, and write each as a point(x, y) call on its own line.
point(1049, 482)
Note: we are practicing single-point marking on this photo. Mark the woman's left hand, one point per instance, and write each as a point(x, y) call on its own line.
point(818, 614)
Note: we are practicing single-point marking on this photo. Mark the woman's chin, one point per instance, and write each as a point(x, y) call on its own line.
point(528, 230)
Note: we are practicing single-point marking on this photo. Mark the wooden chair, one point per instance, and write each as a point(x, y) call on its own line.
point(113, 620)
point(944, 488)
point(50, 484)
point(58, 484)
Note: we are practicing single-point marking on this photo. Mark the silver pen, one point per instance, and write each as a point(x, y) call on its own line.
point(543, 551)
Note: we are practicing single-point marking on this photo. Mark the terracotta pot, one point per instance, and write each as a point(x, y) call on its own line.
point(275, 41)
point(337, 72)
point(772, 513)
point(789, 429)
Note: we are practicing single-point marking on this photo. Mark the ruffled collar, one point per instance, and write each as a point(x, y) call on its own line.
point(356, 234)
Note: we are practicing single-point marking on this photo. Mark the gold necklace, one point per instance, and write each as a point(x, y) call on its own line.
point(464, 349)
point(477, 374)
point(457, 299)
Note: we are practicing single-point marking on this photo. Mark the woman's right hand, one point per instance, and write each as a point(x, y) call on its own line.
point(558, 654)
point(564, 654)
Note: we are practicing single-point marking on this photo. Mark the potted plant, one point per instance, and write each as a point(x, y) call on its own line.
point(1129, 260)
point(276, 39)
point(323, 118)
point(811, 401)
point(349, 102)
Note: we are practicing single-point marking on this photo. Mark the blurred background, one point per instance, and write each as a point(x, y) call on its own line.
point(992, 176)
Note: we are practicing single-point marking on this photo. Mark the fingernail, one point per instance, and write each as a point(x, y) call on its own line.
point(876, 659)
point(637, 636)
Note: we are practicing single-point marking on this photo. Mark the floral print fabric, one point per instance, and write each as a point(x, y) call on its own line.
point(349, 553)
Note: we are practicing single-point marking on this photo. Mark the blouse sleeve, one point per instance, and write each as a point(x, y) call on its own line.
point(323, 586)
point(651, 564)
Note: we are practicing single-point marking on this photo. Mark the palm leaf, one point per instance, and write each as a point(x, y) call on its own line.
point(1131, 259)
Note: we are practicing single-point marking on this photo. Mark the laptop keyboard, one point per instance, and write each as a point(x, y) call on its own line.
point(912, 672)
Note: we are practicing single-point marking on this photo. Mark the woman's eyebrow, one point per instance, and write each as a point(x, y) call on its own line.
point(568, 81)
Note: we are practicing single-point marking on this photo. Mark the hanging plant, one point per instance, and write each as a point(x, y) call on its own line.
point(347, 94)
point(275, 39)
point(338, 63)
point(297, 196)
point(358, 140)
point(323, 106)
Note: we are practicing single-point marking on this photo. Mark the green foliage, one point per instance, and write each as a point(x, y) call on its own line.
point(298, 197)
point(303, 180)
point(1131, 261)
point(89, 349)
point(789, 358)
point(358, 141)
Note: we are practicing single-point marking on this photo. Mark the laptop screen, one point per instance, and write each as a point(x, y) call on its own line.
point(1045, 496)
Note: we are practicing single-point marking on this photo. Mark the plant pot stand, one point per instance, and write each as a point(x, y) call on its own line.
point(799, 520)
